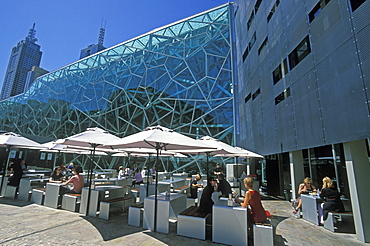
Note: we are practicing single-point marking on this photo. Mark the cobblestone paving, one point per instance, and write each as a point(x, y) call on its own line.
point(24, 223)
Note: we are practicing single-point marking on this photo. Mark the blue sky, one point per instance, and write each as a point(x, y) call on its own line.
point(64, 27)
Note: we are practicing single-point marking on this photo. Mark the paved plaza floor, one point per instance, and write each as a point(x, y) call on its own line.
point(24, 223)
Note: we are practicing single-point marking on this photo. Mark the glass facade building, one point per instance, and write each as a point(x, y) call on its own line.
point(179, 76)
point(22, 58)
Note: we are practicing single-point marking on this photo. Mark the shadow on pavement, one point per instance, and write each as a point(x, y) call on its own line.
point(113, 228)
point(14, 202)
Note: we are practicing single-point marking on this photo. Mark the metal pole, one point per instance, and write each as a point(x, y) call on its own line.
point(147, 179)
point(90, 177)
point(8, 148)
point(208, 175)
point(157, 147)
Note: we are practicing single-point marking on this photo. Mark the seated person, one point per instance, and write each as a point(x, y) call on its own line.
point(77, 180)
point(121, 173)
point(331, 196)
point(57, 176)
point(218, 169)
point(223, 186)
point(206, 201)
point(305, 188)
point(138, 178)
point(15, 174)
point(253, 199)
point(195, 184)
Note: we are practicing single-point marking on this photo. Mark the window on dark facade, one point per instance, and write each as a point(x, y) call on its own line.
point(247, 98)
point(280, 71)
point(263, 45)
point(282, 96)
point(249, 23)
point(317, 9)
point(273, 10)
point(253, 40)
point(356, 3)
point(300, 52)
point(256, 93)
point(246, 52)
point(257, 5)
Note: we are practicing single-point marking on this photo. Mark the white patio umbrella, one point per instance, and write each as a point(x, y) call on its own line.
point(56, 147)
point(145, 152)
point(158, 138)
point(243, 153)
point(11, 140)
point(90, 139)
point(221, 148)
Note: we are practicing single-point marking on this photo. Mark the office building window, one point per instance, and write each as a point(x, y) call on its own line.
point(263, 45)
point(273, 10)
point(300, 52)
point(282, 96)
point(356, 3)
point(317, 9)
point(256, 93)
point(246, 52)
point(253, 40)
point(249, 23)
point(257, 5)
point(280, 71)
point(247, 98)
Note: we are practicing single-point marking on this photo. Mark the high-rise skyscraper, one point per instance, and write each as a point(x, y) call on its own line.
point(22, 58)
point(94, 48)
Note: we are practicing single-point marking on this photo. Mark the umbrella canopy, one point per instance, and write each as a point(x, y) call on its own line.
point(90, 139)
point(159, 137)
point(146, 152)
point(219, 147)
point(12, 140)
point(17, 141)
point(243, 153)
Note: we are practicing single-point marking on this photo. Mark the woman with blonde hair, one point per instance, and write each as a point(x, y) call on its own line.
point(253, 199)
point(304, 188)
point(331, 196)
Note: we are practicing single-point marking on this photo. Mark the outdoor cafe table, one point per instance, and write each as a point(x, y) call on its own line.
point(169, 207)
point(310, 208)
point(106, 180)
point(26, 185)
point(99, 193)
point(229, 224)
point(52, 194)
point(174, 182)
point(36, 173)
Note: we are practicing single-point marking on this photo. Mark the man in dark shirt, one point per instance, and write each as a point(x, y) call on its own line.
point(223, 186)
point(206, 202)
point(218, 169)
point(195, 184)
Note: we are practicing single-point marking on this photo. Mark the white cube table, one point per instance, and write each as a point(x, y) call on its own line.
point(169, 207)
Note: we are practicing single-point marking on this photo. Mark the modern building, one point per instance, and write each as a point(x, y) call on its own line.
point(22, 58)
point(303, 94)
point(94, 48)
point(179, 76)
point(33, 75)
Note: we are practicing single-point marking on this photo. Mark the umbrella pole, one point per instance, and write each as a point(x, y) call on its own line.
point(237, 176)
point(4, 168)
point(157, 147)
point(208, 175)
point(147, 177)
point(90, 178)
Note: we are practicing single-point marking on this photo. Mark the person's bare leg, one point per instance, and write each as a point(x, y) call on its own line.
point(298, 207)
